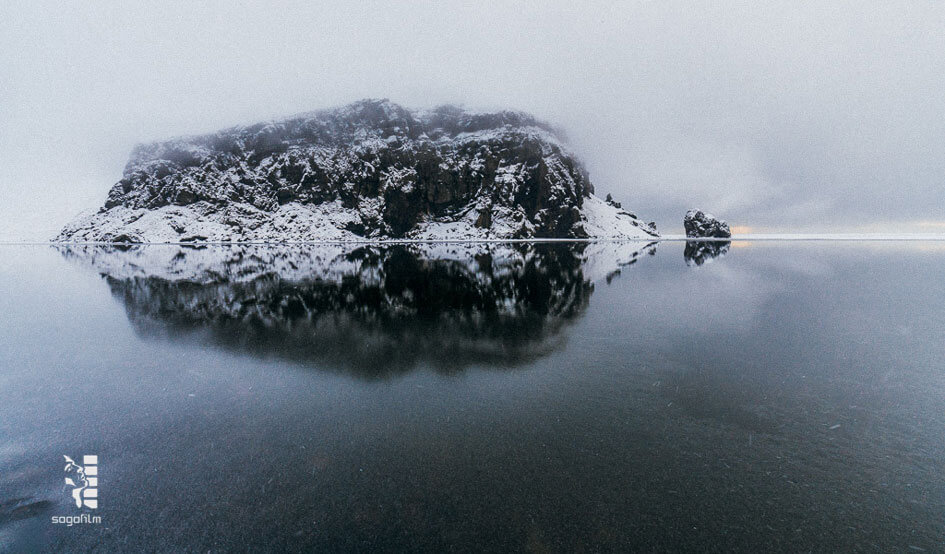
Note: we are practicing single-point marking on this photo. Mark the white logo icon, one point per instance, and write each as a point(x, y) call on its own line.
point(84, 481)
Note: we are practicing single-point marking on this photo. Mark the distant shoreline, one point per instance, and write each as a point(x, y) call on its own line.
point(838, 237)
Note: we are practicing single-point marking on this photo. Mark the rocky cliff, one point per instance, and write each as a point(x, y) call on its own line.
point(699, 224)
point(370, 170)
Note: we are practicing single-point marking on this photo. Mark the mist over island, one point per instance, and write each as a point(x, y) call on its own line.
point(796, 118)
point(502, 276)
point(367, 171)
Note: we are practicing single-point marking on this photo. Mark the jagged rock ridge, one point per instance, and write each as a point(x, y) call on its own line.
point(370, 170)
point(702, 225)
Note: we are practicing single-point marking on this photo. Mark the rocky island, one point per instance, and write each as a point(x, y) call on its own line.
point(372, 170)
point(699, 224)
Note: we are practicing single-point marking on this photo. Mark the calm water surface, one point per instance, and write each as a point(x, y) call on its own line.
point(785, 396)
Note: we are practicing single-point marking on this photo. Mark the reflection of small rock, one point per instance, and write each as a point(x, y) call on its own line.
point(701, 224)
point(700, 252)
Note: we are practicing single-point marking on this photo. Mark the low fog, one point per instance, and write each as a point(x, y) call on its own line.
point(778, 116)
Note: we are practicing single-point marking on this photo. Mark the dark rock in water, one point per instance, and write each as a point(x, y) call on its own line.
point(701, 224)
point(700, 252)
point(372, 170)
point(123, 239)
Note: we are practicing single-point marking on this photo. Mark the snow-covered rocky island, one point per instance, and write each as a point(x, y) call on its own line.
point(371, 170)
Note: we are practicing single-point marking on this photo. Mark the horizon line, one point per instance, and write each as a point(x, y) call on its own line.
point(863, 237)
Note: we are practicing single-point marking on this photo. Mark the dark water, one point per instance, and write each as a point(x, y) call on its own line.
point(781, 397)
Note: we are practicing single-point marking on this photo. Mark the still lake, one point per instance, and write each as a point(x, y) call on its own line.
point(784, 396)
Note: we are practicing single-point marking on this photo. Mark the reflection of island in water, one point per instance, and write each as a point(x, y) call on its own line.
point(700, 252)
point(369, 311)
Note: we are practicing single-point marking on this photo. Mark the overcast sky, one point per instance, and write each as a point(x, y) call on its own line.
point(774, 115)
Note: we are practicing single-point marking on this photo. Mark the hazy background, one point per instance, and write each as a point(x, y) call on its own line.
point(775, 115)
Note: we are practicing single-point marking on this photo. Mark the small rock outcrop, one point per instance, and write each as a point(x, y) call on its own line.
point(699, 224)
point(368, 171)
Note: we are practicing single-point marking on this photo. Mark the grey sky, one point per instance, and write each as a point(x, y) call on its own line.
point(775, 115)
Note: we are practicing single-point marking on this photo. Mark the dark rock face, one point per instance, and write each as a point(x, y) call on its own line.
point(703, 225)
point(700, 252)
point(391, 164)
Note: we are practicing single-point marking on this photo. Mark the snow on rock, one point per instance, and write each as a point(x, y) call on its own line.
point(702, 225)
point(604, 220)
point(368, 171)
